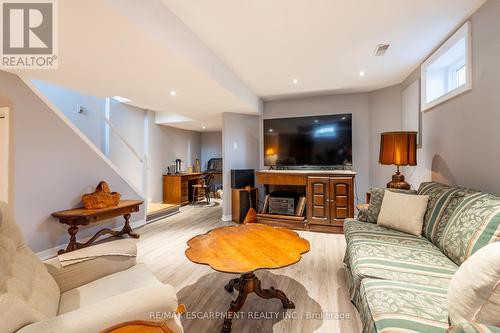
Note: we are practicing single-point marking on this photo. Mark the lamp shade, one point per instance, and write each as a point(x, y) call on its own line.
point(398, 148)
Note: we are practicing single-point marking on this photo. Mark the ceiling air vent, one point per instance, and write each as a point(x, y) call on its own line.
point(381, 49)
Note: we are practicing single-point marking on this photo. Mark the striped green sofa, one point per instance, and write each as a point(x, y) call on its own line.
point(398, 282)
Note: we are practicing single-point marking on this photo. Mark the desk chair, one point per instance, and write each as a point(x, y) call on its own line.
point(203, 184)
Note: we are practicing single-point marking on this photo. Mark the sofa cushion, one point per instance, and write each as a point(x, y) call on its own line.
point(377, 252)
point(403, 212)
point(25, 285)
point(355, 230)
point(474, 223)
point(474, 291)
point(394, 306)
point(135, 277)
point(376, 198)
point(443, 200)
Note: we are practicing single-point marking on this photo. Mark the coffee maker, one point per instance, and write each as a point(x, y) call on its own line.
point(178, 163)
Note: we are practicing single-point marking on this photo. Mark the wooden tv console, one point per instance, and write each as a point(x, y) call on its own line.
point(329, 197)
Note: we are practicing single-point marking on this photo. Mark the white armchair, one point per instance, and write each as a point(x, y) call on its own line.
point(87, 296)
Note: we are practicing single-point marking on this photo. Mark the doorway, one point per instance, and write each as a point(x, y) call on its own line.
point(4, 154)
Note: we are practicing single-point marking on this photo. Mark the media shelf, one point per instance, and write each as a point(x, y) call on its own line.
point(282, 218)
point(329, 198)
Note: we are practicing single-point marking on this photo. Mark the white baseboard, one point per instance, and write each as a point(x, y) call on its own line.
point(226, 218)
point(52, 252)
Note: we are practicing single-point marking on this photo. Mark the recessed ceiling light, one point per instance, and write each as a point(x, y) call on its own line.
point(173, 93)
point(316, 120)
point(295, 81)
point(203, 127)
point(362, 73)
point(270, 130)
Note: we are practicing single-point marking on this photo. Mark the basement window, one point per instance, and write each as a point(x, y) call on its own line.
point(447, 72)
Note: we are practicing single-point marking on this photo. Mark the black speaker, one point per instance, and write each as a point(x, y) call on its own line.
point(242, 177)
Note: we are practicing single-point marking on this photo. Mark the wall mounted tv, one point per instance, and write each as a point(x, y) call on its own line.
point(308, 141)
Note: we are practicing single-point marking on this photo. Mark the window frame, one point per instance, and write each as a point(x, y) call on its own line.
point(463, 31)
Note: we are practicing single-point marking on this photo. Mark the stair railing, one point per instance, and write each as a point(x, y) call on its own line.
point(110, 126)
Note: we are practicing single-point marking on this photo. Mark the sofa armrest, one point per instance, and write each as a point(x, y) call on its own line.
point(472, 328)
point(83, 272)
point(151, 303)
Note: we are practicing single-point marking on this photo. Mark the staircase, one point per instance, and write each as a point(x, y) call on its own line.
point(55, 163)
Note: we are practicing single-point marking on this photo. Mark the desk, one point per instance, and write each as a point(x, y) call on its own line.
point(176, 187)
point(81, 216)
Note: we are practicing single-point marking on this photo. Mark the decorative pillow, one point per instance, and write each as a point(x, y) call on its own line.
point(403, 212)
point(362, 215)
point(474, 223)
point(474, 290)
point(377, 195)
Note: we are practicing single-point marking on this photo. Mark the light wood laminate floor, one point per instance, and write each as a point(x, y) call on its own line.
point(316, 284)
point(155, 207)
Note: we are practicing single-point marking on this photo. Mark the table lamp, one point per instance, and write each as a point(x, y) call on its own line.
point(398, 148)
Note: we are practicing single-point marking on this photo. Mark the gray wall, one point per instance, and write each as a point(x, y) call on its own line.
point(240, 150)
point(68, 101)
point(385, 115)
point(211, 147)
point(130, 122)
point(53, 167)
point(461, 136)
point(165, 145)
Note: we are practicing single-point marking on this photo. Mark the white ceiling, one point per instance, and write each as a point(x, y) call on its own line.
point(219, 55)
point(323, 43)
point(102, 52)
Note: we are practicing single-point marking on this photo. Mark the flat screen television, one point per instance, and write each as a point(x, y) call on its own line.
point(308, 141)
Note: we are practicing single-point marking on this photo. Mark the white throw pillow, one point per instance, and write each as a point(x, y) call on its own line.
point(474, 290)
point(403, 212)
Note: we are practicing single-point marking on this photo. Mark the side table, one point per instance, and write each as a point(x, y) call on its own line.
point(81, 216)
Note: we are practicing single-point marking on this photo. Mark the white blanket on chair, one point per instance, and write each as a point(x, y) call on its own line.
point(122, 247)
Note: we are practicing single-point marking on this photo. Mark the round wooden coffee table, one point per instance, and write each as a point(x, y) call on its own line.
point(139, 326)
point(244, 249)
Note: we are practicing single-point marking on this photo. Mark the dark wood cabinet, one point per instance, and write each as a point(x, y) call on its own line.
point(341, 200)
point(318, 193)
point(329, 198)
